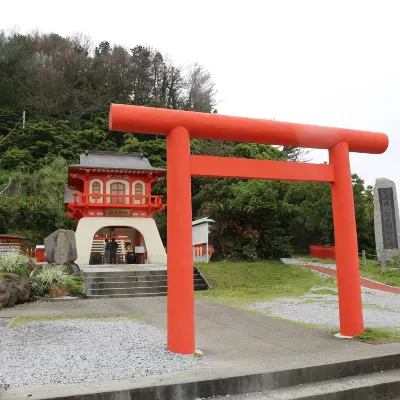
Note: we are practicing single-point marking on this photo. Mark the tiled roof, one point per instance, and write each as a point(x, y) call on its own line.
point(114, 160)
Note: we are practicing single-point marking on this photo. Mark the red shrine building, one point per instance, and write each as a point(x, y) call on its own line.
point(109, 195)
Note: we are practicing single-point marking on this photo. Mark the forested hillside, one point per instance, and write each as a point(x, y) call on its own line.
point(65, 86)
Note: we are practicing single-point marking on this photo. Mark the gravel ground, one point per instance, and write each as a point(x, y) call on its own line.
point(4, 321)
point(85, 350)
point(293, 261)
point(381, 309)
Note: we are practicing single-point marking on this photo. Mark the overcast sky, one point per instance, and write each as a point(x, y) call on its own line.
point(321, 62)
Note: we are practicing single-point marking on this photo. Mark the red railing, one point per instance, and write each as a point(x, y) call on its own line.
point(120, 200)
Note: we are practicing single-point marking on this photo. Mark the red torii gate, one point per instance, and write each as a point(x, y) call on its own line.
point(180, 126)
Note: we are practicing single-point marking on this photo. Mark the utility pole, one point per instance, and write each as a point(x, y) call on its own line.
point(23, 119)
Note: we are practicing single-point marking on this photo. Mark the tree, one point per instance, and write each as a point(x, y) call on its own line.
point(298, 154)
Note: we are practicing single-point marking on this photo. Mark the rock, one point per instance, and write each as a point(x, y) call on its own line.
point(56, 291)
point(70, 269)
point(14, 289)
point(30, 265)
point(60, 247)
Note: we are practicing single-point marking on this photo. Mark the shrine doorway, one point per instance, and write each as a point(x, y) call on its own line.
point(138, 235)
point(131, 247)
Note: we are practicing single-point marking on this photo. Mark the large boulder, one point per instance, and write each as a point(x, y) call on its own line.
point(14, 289)
point(60, 247)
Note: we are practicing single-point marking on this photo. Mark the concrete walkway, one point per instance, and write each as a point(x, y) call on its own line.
point(235, 343)
point(228, 336)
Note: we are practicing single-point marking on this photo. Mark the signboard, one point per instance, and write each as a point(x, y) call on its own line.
point(200, 233)
point(117, 212)
point(8, 247)
point(139, 249)
point(388, 218)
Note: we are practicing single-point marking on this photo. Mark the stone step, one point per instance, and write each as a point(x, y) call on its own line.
point(132, 283)
point(134, 290)
point(142, 283)
point(374, 378)
point(108, 296)
point(123, 278)
point(379, 385)
point(141, 278)
point(101, 274)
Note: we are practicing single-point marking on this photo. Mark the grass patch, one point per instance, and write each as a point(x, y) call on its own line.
point(309, 258)
point(28, 319)
point(373, 271)
point(325, 291)
point(241, 283)
point(378, 336)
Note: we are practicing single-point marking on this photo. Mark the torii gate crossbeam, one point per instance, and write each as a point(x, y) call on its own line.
point(180, 126)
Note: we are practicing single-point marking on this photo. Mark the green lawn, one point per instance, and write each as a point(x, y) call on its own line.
point(241, 283)
point(378, 336)
point(373, 272)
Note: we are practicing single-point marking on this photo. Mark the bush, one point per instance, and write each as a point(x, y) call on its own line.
point(76, 284)
point(15, 263)
point(47, 277)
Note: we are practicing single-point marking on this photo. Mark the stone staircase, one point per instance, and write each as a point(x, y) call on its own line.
point(132, 283)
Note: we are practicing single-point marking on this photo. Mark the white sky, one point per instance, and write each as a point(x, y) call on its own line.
point(324, 62)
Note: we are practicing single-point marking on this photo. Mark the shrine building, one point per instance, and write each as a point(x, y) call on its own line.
point(109, 195)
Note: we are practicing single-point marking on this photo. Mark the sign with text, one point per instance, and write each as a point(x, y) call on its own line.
point(119, 212)
point(388, 218)
point(8, 247)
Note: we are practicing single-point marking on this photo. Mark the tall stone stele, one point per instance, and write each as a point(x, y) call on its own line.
point(386, 219)
point(60, 247)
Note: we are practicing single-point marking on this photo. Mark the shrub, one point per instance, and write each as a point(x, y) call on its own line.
point(76, 284)
point(47, 277)
point(15, 263)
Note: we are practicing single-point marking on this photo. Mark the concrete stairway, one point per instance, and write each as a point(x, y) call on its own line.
point(132, 283)
point(367, 379)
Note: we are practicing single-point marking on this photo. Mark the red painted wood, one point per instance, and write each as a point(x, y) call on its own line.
point(323, 252)
point(224, 167)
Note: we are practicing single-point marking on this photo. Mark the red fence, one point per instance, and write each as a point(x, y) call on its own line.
point(323, 252)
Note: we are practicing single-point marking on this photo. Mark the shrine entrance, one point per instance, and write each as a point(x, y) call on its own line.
point(180, 126)
point(131, 248)
point(139, 236)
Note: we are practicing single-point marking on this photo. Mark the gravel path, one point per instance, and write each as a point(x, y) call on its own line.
point(294, 261)
point(85, 350)
point(381, 309)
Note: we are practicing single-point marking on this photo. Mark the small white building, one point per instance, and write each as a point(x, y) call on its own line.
point(200, 244)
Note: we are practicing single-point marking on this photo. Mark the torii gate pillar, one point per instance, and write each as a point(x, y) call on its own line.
point(180, 126)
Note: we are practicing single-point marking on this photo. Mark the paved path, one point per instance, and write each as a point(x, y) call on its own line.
point(230, 337)
point(367, 283)
point(235, 342)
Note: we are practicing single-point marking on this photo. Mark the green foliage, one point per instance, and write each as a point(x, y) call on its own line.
point(38, 209)
point(14, 263)
point(75, 285)
point(49, 276)
point(378, 336)
point(66, 87)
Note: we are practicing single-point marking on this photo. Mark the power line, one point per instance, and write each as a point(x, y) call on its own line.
point(13, 129)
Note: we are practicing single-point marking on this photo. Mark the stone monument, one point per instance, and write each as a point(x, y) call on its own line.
point(60, 247)
point(386, 219)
